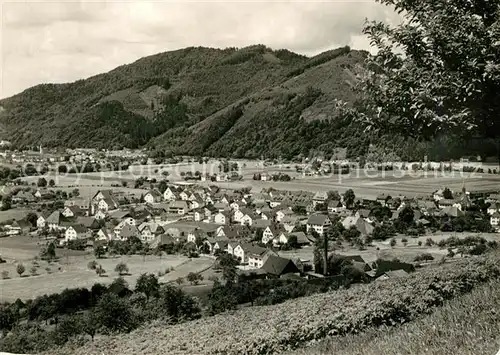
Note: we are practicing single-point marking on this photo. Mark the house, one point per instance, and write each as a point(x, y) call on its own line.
point(495, 220)
point(265, 177)
point(220, 245)
point(126, 231)
point(18, 227)
point(261, 223)
point(282, 214)
point(290, 222)
point(320, 198)
point(104, 234)
point(248, 218)
point(105, 200)
point(153, 196)
point(438, 195)
point(199, 214)
point(89, 222)
point(41, 221)
point(76, 231)
point(239, 213)
point(149, 231)
point(123, 217)
point(381, 199)
point(450, 211)
point(248, 253)
point(178, 207)
point(443, 203)
point(335, 206)
point(73, 211)
point(100, 214)
point(23, 197)
point(318, 223)
point(493, 208)
point(237, 205)
point(277, 266)
point(301, 238)
point(53, 221)
point(270, 233)
point(358, 222)
point(222, 218)
point(171, 194)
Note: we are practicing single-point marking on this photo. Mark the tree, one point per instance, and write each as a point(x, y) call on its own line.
point(92, 265)
point(349, 198)
point(447, 194)
point(115, 313)
point(90, 323)
point(292, 241)
point(393, 242)
point(42, 182)
point(33, 270)
point(75, 192)
point(48, 253)
point(333, 195)
point(99, 252)
point(20, 269)
point(52, 183)
point(31, 218)
point(121, 268)
point(194, 278)
point(100, 271)
point(228, 264)
point(62, 169)
point(147, 284)
point(437, 72)
point(406, 215)
point(179, 281)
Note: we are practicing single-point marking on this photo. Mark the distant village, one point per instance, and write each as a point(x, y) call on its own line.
point(252, 226)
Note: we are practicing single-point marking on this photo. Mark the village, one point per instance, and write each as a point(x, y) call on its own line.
point(269, 232)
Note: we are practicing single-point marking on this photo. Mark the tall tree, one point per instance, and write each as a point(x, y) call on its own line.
point(437, 72)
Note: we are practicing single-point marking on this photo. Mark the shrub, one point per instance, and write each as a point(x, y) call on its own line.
point(20, 269)
point(92, 265)
point(424, 257)
point(121, 268)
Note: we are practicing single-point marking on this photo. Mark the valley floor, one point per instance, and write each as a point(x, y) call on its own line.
point(468, 325)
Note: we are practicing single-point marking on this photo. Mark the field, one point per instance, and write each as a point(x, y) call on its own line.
point(374, 183)
point(447, 331)
point(404, 253)
point(71, 269)
point(365, 183)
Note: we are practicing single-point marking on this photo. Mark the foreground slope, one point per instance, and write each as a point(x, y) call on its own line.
point(273, 329)
point(468, 325)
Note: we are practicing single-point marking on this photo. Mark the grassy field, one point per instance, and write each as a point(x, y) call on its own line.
point(71, 269)
point(469, 325)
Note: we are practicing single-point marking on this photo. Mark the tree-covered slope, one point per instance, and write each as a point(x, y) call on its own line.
point(248, 102)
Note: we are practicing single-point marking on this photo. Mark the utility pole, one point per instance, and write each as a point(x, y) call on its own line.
point(325, 256)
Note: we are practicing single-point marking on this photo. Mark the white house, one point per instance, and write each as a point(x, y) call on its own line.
point(247, 219)
point(153, 196)
point(170, 194)
point(222, 218)
point(198, 215)
point(53, 221)
point(318, 223)
point(269, 234)
point(335, 206)
point(494, 208)
point(75, 232)
point(282, 214)
point(40, 222)
point(495, 220)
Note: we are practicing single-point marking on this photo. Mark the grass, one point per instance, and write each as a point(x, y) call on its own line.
point(468, 325)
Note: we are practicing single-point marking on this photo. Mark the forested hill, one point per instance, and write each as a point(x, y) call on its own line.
point(247, 102)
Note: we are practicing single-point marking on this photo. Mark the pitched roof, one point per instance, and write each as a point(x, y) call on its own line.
point(317, 219)
point(54, 218)
point(128, 231)
point(278, 266)
point(79, 228)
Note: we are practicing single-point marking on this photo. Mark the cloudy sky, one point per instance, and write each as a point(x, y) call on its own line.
point(61, 41)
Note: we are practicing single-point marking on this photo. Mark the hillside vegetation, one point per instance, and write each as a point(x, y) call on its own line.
point(248, 102)
point(449, 330)
point(273, 329)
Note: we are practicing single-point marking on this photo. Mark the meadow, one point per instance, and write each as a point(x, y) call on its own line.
point(71, 269)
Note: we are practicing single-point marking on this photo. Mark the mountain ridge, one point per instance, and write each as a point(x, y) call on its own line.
point(247, 102)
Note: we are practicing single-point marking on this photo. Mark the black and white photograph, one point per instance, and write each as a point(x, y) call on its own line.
point(268, 177)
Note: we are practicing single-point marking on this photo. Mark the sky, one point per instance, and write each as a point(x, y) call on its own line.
point(63, 41)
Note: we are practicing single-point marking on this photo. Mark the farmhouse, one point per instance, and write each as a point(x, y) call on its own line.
point(222, 218)
point(318, 223)
point(277, 266)
point(105, 200)
point(495, 220)
point(178, 207)
point(53, 222)
point(76, 231)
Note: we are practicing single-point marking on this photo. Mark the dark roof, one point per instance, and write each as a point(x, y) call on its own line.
point(278, 266)
point(317, 219)
point(79, 228)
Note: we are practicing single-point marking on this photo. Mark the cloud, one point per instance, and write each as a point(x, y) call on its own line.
point(65, 41)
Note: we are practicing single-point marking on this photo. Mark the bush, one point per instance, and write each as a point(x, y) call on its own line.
point(424, 257)
point(121, 268)
point(92, 265)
